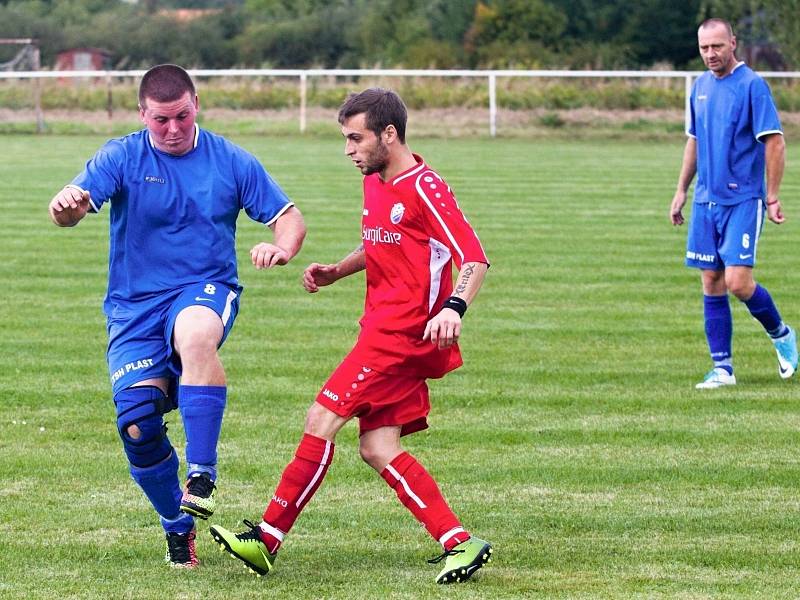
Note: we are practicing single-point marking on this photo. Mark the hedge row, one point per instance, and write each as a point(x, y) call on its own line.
point(515, 94)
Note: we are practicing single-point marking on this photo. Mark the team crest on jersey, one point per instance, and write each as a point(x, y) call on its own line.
point(397, 213)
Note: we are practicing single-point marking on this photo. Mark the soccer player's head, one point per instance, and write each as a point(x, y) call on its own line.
point(717, 46)
point(372, 121)
point(168, 106)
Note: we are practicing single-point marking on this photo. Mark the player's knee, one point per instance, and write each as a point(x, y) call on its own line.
point(374, 455)
point(322, 422)
point(141, 425)
point(197, 347)
point(741, 287)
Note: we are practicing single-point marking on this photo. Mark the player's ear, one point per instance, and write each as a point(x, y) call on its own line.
point(196, 103)
point(141, 114)
point(389, 134)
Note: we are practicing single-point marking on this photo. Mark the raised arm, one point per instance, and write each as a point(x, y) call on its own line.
point(318, 275)
point(289, 231)
point(688, 170)
point(775, 155)
point(69, 206)
point(444, 328)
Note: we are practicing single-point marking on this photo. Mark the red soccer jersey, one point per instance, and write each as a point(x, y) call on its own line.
point(413, 231)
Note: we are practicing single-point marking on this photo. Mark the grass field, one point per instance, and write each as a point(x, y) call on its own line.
point(572, 439)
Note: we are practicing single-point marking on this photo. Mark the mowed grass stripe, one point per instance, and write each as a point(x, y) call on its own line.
point(572, 438)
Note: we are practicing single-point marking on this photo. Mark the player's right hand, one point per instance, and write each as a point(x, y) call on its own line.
point(675, 214)
point(69, 206)
point(316, 276)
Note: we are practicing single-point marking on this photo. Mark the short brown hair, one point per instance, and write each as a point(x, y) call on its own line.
point(165, 83)
point(382, 107)
point(715, 21)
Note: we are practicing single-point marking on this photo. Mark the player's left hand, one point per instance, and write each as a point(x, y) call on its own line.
point(266, 256)
point(774, 212)
point(443, 329)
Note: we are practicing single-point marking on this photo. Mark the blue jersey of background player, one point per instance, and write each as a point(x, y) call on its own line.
point(734, 136)
point(175, 192)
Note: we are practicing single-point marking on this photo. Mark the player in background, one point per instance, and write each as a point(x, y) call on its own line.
point(175, 192)
point(412, 231)
point(734, 136)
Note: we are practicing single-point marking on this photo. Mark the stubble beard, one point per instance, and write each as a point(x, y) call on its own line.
point(377, 161)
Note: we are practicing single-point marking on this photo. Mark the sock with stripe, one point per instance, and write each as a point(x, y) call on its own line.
point(419, 493)
point(300, 480)
point(763, 309)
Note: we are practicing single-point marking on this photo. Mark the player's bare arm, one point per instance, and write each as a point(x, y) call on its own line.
point(688, 170)
point(69, 206)
point(444, 328)
point(775, 155)
point(318, 275)
point(289, 230)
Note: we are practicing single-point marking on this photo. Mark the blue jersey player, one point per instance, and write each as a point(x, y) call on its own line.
point(734, 137)
point(174, 192)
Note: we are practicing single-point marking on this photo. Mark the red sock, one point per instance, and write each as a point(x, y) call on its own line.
point(300, 480)
point(419, 493)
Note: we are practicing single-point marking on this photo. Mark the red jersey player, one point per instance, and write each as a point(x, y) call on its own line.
point(412, 232)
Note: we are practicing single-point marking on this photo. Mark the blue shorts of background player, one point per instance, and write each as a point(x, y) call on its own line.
point(722, 236)
point(144, 363)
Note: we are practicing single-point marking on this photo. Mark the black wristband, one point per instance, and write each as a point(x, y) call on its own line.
point(457, 304)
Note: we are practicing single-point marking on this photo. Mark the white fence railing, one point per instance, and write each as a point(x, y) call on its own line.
point(303, 75)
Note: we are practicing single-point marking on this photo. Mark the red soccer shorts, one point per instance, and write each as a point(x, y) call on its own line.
point(377, 399)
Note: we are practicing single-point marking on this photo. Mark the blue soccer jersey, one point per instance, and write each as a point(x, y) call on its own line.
point(173, 218)
point(729, 118)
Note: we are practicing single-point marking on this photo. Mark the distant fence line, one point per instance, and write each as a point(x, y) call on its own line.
point(303, 75)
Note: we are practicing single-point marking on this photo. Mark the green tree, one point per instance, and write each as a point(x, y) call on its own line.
point(514, 33)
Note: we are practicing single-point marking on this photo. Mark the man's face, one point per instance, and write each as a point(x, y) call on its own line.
point(717, 49)
point(171, 124)
point(363, 147)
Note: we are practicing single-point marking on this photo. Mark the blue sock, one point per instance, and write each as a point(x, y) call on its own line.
point(765, 312)
point(161, 486)
point(719, 330)
point(201, 409)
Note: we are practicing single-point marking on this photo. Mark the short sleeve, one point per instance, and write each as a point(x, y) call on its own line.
point(102, 175)
point(262, 198)
point(764, 113)
point(691, 130)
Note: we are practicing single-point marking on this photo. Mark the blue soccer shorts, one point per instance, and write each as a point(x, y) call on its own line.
point(724, 236)
point(140, 340)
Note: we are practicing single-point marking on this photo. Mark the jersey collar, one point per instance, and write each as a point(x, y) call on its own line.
point(194, 143)
point(412, 171)
point(733, 70)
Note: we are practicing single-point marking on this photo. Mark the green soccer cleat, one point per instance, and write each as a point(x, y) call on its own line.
point(198, 496)
point(246, 546)
point(463, 560)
